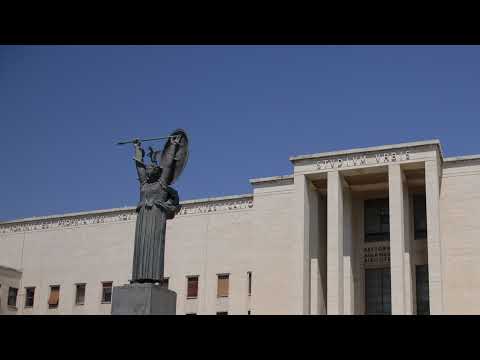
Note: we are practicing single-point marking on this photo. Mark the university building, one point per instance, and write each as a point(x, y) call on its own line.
point(389, 229)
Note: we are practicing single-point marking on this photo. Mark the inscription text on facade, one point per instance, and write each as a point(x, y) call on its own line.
point(359, 160)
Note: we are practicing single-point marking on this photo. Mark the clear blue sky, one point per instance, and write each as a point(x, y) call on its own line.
point(246, 109)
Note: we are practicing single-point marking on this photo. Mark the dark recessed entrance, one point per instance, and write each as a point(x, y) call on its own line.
point(378, 299)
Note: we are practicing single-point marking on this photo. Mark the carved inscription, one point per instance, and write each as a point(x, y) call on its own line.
point(376, 255)
point(121, 215)
point(359, 160)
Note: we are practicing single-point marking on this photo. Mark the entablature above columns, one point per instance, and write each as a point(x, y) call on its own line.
point(366, 159)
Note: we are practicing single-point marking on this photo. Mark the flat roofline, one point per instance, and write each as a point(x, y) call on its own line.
point(461, 158)
point(123, 209)
point(67, 215)
point(221, 198)
point(260, 180)
point(368, 149)
point(271, 179)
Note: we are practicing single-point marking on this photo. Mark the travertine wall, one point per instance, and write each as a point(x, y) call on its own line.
point(232, 235)
point(66, 256)
point(276, 263)
point(460, 234)
point(8, 278)
point(266, 233)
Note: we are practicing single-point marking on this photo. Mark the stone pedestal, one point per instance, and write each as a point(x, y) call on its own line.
point(143, 299)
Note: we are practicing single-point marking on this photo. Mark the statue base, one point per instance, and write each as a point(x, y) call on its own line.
point(143, 299)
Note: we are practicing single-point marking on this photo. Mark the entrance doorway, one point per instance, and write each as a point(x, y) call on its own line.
point(378, 299)
point(423, 299)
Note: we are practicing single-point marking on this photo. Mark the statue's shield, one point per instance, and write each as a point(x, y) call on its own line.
point(178, 145)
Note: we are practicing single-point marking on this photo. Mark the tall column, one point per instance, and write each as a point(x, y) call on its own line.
point(348, 252)
point(334, 244)
point(397, 238)
point(408, 252)
point(314, 251)
point(432, 192)
point(302, 221)
point(315, 306)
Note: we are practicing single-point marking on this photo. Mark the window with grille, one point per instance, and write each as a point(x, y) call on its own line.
point(377, 220)
point(29, 296)
point(12, 296)
point(107, 292)
point(54, 297)
point(222, 287)
point(192, 287)
point(80, 294)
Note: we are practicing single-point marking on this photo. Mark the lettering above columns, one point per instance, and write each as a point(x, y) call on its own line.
point(360, 160)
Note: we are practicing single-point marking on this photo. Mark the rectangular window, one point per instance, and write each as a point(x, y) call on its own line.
point(249, 283)
point(377, 220)
point(80, 294)
point(249, 312)
point(107, 292)
point(54, 297)
point(420, 216)
point(423, 299)
point(222, 288)
point(12, 296)
point(191, 314)
point(29, 296)
point(192, 287)
point(222, 313)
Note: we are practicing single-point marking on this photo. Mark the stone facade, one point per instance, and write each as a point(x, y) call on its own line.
point(9, 278)
point(300, 236)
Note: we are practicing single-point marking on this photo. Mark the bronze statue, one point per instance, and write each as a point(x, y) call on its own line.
point(158, 202)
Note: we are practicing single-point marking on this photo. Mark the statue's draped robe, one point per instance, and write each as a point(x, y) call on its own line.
point(157, 204)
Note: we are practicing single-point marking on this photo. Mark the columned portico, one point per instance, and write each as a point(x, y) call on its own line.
point(376, 244)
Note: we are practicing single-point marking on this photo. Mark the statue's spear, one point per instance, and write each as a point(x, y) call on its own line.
point(143, 140)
